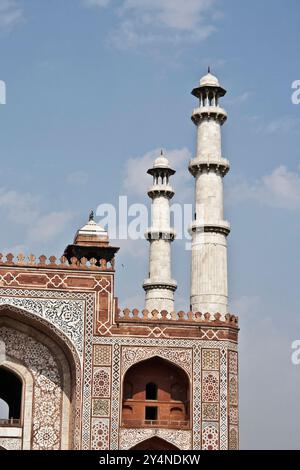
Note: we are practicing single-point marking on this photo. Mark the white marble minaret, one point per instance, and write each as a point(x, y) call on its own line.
point(209, 230)
point(160, 286)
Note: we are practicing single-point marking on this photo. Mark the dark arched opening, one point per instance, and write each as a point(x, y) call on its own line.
point(154, 443)
point(11, 393)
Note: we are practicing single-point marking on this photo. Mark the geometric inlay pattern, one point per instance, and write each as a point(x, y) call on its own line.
point(210, 359)
point(210, 386)
point(10, 443)
point(210, 437)
point(100, 407)
point(233, 438)
point(210, 411)
point(100, 434)
point(233, 362)
point(101, 382)
point(102, 355)
point(233, 390)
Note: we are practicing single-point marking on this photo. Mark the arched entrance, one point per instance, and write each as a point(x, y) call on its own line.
point(49, 372)
point(154, 443)
point(156, 393)
point(11, 393)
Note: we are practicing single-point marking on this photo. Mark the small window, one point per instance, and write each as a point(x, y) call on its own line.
point(151, 391)
point(151, 413)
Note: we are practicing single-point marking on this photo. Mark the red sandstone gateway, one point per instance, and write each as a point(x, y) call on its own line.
point(77, 372)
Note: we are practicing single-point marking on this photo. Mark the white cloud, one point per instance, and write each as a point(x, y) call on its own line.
point(176, 14)
point(280, 189)
point(163, 21)
point(240, 99)
point(96, 3)
point(48, 226)
point(24, 210)
point(280, 125)
point(20, 208)
point(11, 13)
point(285, 124)
point(136, 180)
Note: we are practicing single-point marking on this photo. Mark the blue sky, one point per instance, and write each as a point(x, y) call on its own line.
point(96, 87)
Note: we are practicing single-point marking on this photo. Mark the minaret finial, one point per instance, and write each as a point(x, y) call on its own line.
point(208, 69)
point(161, 152)
point(91, 215)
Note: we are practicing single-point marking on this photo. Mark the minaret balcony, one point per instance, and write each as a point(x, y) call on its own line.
point(199, 226)
point(149, 284)
point(199, 165)
point(161, 190)
point(209, 112)
point(153, 233)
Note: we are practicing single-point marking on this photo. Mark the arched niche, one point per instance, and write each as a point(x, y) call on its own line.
point(154, 443)
point(153, 396)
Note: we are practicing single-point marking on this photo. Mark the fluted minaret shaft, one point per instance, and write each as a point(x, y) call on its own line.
point(209, 230)
point(160, 286)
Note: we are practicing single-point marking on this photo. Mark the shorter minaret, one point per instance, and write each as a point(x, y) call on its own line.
point(160, 286)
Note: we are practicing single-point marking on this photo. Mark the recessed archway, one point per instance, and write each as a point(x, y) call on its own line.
point(63, 371)
point(160, 395)
point(154, 443)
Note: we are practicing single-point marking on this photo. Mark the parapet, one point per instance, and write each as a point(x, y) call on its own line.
point(184, 318)
point(52, 262)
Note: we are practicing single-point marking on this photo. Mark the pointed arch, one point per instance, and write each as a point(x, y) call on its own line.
point(151, 400)
point(67, 359)
point(154, 443)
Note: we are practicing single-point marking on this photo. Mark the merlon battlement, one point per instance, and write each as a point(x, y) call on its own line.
point(42, 261)
point(164, 316)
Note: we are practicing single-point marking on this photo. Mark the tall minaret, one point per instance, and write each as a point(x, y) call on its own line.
point(160, 287)
point(209, 229)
